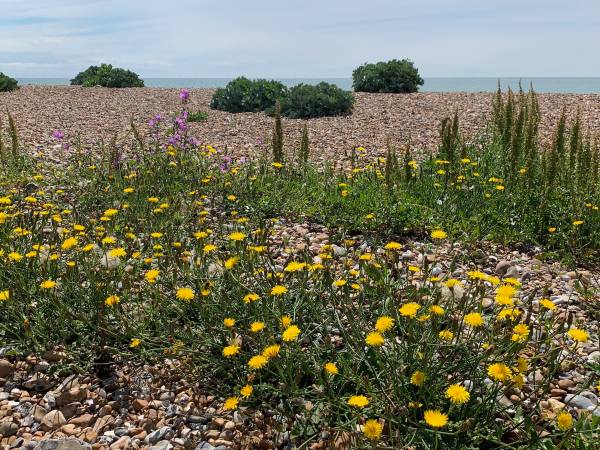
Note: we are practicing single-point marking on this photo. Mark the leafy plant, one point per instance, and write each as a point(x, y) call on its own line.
point(395, 76)
point(7, 83)
point(197, 116)
point(106, 75)
point(305, 101)
point(244, 95)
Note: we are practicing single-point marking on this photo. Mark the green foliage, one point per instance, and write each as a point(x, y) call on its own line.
point(107, 76)
point(306, 101)
point(197, 116)
point(277, 143)
point(304, 145)
point(7, 83)
point(244, 95)
point(395, 76)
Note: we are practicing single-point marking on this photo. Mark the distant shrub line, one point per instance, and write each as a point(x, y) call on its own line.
point(106, 75)
point(7, 83)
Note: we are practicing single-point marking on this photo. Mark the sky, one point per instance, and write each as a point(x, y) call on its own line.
point(300, 39)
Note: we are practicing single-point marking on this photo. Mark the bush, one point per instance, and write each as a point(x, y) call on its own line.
point(107, 76)
point(387, 77)
point(244, 95)
point(197, 116)
point(305, 101)
point(7, 83)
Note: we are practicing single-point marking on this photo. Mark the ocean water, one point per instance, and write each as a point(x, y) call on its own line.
point(486, 84)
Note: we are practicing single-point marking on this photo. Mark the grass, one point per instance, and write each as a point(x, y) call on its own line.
point(172, 252)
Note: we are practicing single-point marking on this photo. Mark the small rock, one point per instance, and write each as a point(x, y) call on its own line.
point(53, 420)
point(155, 436)
point(581, 402)
point(502, 267)
point(6, 368)
point(8, 429)
point(63, 444)
point(161, 445)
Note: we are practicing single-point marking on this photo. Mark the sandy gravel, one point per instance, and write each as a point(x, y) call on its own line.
point(97, 113)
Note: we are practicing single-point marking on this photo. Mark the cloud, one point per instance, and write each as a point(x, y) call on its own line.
point(225, 38)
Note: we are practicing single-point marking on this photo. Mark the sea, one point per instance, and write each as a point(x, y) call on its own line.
point(484, 84)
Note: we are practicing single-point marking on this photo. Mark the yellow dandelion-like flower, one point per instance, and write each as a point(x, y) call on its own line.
point(435, 418)
point(438, 234)
point(135, 342)
point(393, 246)
point(548, 304)
point(446, 335)
point(209, 248)
point(152, 275)
point(384, 323)
point(246, 391)
point(410, 309)
point(48, 284)
point(271, 351)
point(418, 378)
point(231, 403)
point(278, 290)
point(117, 252)
point(294, 266)
point(257, 362)
point(331, 368)
point(437, 310)
point(374, 339)
point(185, 294)
point(457, 394)
point(229, 322)
point(286, 321)
point(291, 333)
point(237, 236)
point(69, 243)
point(255, 327)
point(231, 350)
point(4, 295)
point(578, 335)
point(358, 401)
point(372, 429)
point(231, 262)
point(499, 372)
point(249, 298)
point(339, 283)
point(564, 421)
point(112, 300)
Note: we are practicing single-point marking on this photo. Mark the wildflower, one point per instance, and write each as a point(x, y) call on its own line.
point(577, 222)
point(69, 243)
point(435, 418)
point(117, 252)
point(374, 339)
point(520, 333)
point(4, 295)
point(237, 236)
point(564, 421)
point(499, 372)
point(231, 350)
point(339, 283)
point(229, 322)
point(457, 394)
point(278, 290)
point(552, 230)
point(372, 429)
point(271, 351)
point(578, 335)
point(286, 321)
point(393, 246)
point(48, 284)
point(246, 391)
point(446, 335)
point(257, 362)
point(294, 266)
point(249, 298)
point(112, 300)
point(135, 342)
point(128, 190)
point(88, 248)
point(438, 234)
point(109, 240)
point(231, 262)
point(548, 304)
point(417, 378)
point(255, 327)
point(152, 275)
point(291, 333)
point(331, 368)
point(437, 310)
point(409, 309)
point(358, 401)
point(277, 165)
point(231, 403)
point(384, 323)
point(14, 256)
point(185, 294)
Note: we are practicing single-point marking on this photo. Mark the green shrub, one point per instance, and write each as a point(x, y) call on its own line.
point(107, 76)
point(395, 76)
point(7, 83)
point(244, 95)
point(198, 116)
point(305, 101)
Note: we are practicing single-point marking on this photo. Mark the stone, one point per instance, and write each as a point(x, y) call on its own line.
point(581, 402)
point(158, 435)
point(161, 445)
point(502, 267)
point(82, 421)
point(121, 443)
point(8, 429)
point(204, 446)
point(139, 404)
point(37, 382)
point(38, 412)
point(6, 368)
point(53, 420)
point(565, 384)
point(62, 444)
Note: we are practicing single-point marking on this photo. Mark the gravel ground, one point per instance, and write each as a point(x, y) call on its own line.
point(97, 113)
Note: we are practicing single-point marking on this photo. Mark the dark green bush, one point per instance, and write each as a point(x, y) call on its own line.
point(107, 76)
point(7, 83)
point(244, 95)
point(395, 76)
point(305, 101)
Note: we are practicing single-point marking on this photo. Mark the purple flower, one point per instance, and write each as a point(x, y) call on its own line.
point(57, 134)
point(184, 95)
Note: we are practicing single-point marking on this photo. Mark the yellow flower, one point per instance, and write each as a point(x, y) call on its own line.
point(417, 378)
point(249, 298)
point(435, 418)
point(286, 321)
point(246, 391)
point(564, 421)
point(339, 283)
point(278, 290)
point(229, 322)
point(237, 236)
point(14, 256)
point(47, 284)
point(4, 295)
point(457, 394)
point(372, 429)
point(185, 294)
point(231, 262)
point(548, 304)
point(294, 266)
point(331, 368)
point(520, 333)
point(255, 327)
point(152, 275)
point(117, 252)
point(499, 372)
point(393, 246)
point(271, 351)
point(112, 300)
point(291, 333)
point(69, 243)
point(577, 222)
point(384, 323)
point(358, 401)
point(437, 310)
point(578, 335)
point(374, 339)
point(231, 350)
point(231, 403)
point(439, 234)
point(446, 335)
point(257, 362)
point(209, 248)
point(409, 309)
point(135, 342)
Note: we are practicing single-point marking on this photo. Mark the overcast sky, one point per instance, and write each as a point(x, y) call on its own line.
point(307, 38)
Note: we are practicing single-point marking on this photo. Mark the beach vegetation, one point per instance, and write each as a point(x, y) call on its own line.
point(7, 83)
point(394, 76)
point(106, 75)
point(245, 95)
